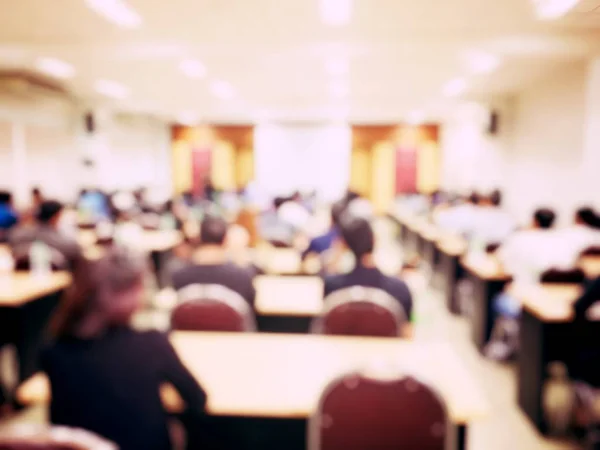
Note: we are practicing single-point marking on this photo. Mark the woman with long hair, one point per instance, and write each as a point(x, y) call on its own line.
point(105, 377)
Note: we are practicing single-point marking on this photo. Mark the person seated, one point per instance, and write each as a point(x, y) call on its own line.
point(459, 217)
point(529, 252)
point(105, 377)
point(585, 231)
point(357, 234)
point(491, 224)
point(8, 216)
point(47, 229)
point(211, 264)
point(324, 242)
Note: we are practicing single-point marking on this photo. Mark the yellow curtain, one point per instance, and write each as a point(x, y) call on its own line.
point(244, 166)
point(383, 176)
point(182, 166)
point(223, 174)
point(360, 172)
point(428, 167)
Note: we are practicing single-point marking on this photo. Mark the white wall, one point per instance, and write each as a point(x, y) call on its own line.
point(303, 157)
point(130, 152)
point(544, 164)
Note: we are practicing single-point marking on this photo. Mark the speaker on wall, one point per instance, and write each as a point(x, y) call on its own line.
point(90, 123)
point(494, 123)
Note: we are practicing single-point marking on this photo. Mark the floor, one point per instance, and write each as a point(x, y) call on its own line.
point(506, 428)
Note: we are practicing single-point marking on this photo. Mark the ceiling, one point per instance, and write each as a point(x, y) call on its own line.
point(275, 53)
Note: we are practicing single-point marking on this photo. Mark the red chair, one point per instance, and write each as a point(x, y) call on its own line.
point(358, 412)
point(32, 437)
point(360, 311)
point(563, 276)
point(212, 307)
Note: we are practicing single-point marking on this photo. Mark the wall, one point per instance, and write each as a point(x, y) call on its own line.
point(544, 164)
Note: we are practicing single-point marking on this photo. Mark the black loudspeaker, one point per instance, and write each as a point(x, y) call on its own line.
point(494, 125)
point(90, 123)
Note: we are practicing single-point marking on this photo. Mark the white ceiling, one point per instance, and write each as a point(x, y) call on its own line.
point(274, 52)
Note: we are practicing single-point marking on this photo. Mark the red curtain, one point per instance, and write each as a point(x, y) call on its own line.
point(201, 164)
point(406, 170)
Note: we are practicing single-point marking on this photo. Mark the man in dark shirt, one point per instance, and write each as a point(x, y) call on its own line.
point(47, 231)
point(211, 265)
point(358, 236)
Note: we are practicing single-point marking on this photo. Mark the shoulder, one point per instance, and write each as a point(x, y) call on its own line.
point(397, 287)
point(334, 282)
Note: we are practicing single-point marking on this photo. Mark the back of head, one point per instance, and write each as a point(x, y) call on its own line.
point(544, 218)
point(213, 230)
point(496, 198)
point(105, 293)
point(358, 235)
point(474, 198)
point(49, 211)
point(5, 198)
point(588, 217)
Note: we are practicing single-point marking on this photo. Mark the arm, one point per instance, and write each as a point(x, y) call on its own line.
point(173, 371)
point(589, 297)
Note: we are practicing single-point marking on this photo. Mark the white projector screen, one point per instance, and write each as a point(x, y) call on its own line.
point(303, 158)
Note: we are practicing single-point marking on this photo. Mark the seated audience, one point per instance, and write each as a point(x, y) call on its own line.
point(585, 231)
point(104, 376)
point(460, 217)
point(211, 264)
point(8, 216)
point(491, 224)
point(324, 242)
point(358, 236)
point(48, 230)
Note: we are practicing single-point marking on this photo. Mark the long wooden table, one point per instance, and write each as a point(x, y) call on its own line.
point(26, 303)
point(278, 379)
point(546, 335)
point(287, 304)
point(488, 279)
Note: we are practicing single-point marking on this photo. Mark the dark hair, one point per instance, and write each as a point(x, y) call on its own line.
point(496, 197)
point(36, 191)
point(5, 197)
point(587, 216)
point(474, 198)
point(358, 235)
point(48, 210)
point(95, 301)
point(213, 230)
point(544, 217)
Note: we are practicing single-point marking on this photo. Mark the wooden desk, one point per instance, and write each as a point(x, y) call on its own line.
point(546, 334)
point(488, 279)
point(450, 249)
point(23, 287)
point(279, 378)
point(26, 304)
point(287, 304)
point(591, 266)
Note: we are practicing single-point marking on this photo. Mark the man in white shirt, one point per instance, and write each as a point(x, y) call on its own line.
point(491, 224)
point(584, 233)
point(459, 218)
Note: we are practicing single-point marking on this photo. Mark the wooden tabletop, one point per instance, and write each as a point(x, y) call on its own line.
point(157, 241)
point(288, 296)
point(591, 266)
point(22, 287)
point(283, 376)
point(452, 245)
point(549, 302)
point(485, 266)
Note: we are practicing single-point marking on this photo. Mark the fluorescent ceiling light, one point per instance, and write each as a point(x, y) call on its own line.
point(111, 89)
point(337, 67)
point(339, 89)
point(117, 12)
point(553, 9)
point(222, 89)
point(335, 12)
point(455, 87)
point(482, 62)
point(55, 67)
point(192, 68)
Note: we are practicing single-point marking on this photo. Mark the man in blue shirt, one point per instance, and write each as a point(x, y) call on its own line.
point(8, 216)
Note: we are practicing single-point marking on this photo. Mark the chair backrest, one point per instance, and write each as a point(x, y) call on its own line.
point(358, 412)
point(360, 311)
point(211, 307)
point(563, 276)
point(35, 437)
point(21, 255)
